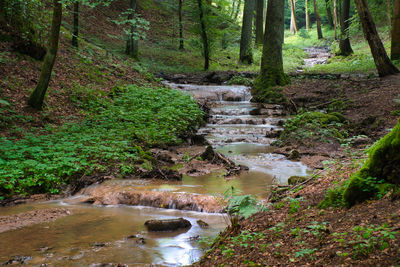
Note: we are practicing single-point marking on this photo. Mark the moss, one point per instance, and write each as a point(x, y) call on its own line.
point(293, 180)
point(383, 164)
point(265, 88)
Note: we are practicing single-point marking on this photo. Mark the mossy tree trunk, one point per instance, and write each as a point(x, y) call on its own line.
point(318, 19)
point(335, 18)
point(75, 32)
point(383, 164)
point(382, 61)
point(37, 97)
point(329, 13)
point(395, 54)
point(271, 73)
point(181, 47)
point(344, 43)
point(246, 47)
point(204, 37)
point(132, 48)
point(260, 14)
point(307, 15)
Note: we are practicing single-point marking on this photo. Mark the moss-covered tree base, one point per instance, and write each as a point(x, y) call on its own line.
point(383, 164)
point(265, 88)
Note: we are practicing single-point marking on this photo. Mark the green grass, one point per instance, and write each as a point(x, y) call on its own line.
point(113, 136)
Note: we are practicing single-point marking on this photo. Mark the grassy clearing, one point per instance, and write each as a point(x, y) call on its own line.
point(114, 135)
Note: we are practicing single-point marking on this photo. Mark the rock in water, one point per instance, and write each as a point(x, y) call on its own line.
point(167, 225)
point(202, 224)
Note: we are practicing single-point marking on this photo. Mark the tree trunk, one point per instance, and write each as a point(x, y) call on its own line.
point(389, 12)
point(329, 12)
point(132, 43)
point(344, 44)
point(238, 9)
point(260, 21)
point(246, 49)
point(382, 61)
point(181, 47)
point(395, 55)
point(307, 16)
point(293, 24)
point(319, 29)
point(37, 97)
point(271, 73)
point(75, 33)
point(167, 225)
point(204, 36)
point(335, 17)
point(233, 8)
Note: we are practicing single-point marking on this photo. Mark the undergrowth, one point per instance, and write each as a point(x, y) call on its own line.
point(114, 135)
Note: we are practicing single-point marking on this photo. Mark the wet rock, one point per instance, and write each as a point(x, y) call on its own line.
point(99, 245)
point(293, 180)
point(17, 260)
point(140, 241)
point(167, 225)
point(202, 224)
point(273, 133)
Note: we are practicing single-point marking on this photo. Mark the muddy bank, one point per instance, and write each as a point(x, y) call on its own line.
point(16, 221)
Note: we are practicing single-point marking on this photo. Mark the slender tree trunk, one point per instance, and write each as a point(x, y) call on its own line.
point(181, 47)
point(307, 16)
point(395, 55)
point(319, 29)
point(75, 33)
point(260, 21)
point(271, 73)
point(238, 9)
point(233, 8)
point(382, 61)
point(389, 12)
point(204, 36)
point(37, 97)
point(293, 24)
point(329, 12)
point(246, 49)
point(335, 17)
point(132, 44)
point(344, 44)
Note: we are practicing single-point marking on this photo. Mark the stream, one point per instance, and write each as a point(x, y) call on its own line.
point(111, 232)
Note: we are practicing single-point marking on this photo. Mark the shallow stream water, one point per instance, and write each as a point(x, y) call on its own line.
point(98, 234)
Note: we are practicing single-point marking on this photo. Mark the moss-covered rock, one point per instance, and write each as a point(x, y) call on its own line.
point(383, 164)
point(293, 180)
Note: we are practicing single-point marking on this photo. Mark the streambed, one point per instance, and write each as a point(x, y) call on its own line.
point(100, 234)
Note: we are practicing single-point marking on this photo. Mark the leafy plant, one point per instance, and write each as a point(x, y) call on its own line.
point(241, 205)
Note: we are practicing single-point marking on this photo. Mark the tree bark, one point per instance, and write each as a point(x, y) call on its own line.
point(132, 49)
point(382, 61)
point(329, 12)
point(395, 54)
point(181, 47)
point(319, 29)
point(344, 43)
point(335, 17)
point(75, 33)
point(37, 97)
point(260, 21)
point(246, 49)
point(271, 73)
point(204, 36)
point(307, 16)
point(293, 24)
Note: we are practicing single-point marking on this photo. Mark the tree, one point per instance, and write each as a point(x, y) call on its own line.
point(318, 19)
point(329, 12)
point(307, 15)
point(246, 50)
point(382, 61)
point(395, 54)
point(181, 47)
point(344, 43)
point(204, 37)
point(293, 24)
point(75, 33)
point(335, 18)
point(271, 73)
point(132, 41)
point(37, 97)
point(237, 10)
point(260, 21)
